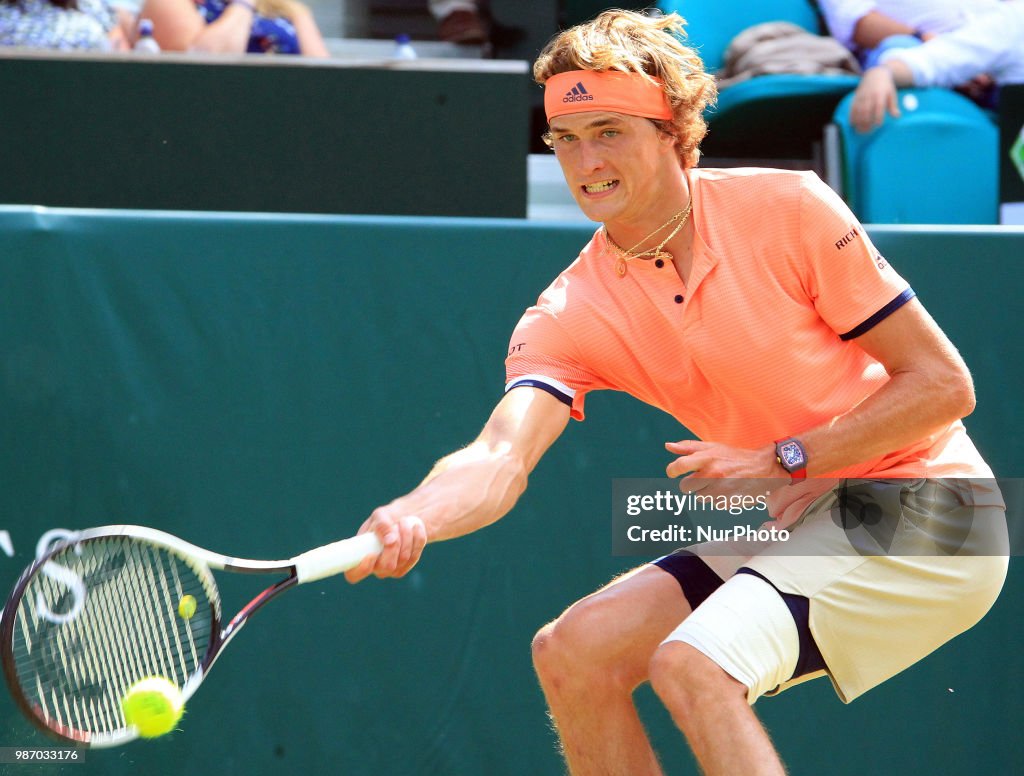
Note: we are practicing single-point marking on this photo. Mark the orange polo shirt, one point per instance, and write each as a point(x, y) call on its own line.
point(760, 344)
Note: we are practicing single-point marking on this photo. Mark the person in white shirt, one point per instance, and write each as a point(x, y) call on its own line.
point(986, 48)
point(862, 25)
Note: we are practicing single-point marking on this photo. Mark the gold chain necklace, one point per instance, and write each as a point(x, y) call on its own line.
point(625, 256)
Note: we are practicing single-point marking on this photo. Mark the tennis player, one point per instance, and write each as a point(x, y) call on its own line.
point(751, 306)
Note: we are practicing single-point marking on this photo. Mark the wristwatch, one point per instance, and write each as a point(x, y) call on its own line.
point(792, 456)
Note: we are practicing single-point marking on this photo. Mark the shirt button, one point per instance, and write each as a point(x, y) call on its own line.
point(659, 263)
point(679, 298)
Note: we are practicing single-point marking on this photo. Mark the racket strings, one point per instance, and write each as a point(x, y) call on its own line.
point(99, 616)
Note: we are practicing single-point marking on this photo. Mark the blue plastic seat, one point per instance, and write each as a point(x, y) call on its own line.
point(935, 164)
point(774, 116)
point(770, 116)
point(712, 24)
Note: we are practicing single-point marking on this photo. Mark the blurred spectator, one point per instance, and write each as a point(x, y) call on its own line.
point(990, 44)
point(864, 26)
point(459, 21)
point(66, 24)
point(235, 26)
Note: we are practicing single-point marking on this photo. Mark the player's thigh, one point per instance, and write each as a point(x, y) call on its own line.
point(750, 631)
point(623, 622)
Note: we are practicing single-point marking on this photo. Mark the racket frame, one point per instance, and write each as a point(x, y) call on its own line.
point(310, 566)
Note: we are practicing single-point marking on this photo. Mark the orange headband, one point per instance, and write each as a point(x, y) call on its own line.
point(578, 91)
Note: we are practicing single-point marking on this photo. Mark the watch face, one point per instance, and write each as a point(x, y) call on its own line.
point(792, 456)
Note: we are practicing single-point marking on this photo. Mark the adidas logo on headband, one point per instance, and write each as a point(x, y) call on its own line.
point(577, 94)
point(635, 94)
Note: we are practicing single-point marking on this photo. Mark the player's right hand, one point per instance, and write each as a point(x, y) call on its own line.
point(403, 538)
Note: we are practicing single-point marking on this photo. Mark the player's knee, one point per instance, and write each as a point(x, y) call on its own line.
point(544, 649)
point(670, 668)
point(557, 646)
point(572, 644)
point(684, 678)
point(552, 659)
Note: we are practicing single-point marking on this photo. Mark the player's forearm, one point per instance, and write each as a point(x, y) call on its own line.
point(907, 409)
point(475, 486)
point(468, 490)
point(874, 27)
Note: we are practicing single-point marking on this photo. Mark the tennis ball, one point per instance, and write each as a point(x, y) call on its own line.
point(153, 705)
point(187, 606)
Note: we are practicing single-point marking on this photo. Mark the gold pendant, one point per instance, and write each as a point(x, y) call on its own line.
point(620, 267)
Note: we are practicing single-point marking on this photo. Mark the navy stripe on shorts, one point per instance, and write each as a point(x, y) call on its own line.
point(698, 581)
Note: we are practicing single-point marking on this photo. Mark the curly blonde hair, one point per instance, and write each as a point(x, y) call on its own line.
point(636, 43)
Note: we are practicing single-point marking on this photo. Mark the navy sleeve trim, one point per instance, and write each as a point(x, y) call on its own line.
point(544, 385)
point(880, 316)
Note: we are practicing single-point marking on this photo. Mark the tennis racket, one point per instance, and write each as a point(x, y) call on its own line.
point(113, 605)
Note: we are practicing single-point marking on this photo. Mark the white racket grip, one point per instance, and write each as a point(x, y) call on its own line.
point(335, 558)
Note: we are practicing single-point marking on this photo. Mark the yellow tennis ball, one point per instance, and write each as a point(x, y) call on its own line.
point(153, 705)
point(187, 606)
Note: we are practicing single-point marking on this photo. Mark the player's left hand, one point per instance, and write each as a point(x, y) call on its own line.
point(718, 469)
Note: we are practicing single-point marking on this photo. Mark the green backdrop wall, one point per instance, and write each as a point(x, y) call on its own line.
point(284, 134)
point(257, 384)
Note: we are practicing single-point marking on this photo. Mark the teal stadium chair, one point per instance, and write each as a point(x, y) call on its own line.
point(770, 116)
point(935, 164)
point(712, 24)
